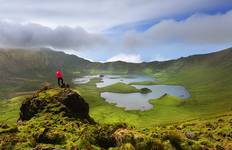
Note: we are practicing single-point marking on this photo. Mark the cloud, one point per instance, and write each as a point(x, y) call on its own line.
point(198, 29)
point(83, 25)
point(34, 35)
point(126, 58)
point(88, 14)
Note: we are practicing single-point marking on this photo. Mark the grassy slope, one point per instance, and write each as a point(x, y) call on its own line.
point(9, 109)
point(144, 83)
point(51, 128)
point(119, 88)
point(208, 79)
point(104, 112)
point(27, 70)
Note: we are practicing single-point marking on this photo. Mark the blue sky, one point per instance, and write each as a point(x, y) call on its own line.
point(175, 50)
point(129, 30)
point(145, 24)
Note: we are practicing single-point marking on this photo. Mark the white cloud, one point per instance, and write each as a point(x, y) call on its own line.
point(34, 35)
point(126, 58)
point(79, 25)
point(96, 15)
point(198, 29)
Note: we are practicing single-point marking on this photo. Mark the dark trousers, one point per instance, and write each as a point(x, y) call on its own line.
point(60, 81)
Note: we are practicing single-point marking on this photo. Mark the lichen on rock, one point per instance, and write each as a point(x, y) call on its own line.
point(67, 101)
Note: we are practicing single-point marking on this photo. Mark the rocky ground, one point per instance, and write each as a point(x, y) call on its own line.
point(59, 119)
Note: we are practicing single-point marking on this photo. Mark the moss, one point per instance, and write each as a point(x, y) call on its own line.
point(137, 139)
point(50, 137)
point(175, 139)
point(52, 128)
point(126, 146)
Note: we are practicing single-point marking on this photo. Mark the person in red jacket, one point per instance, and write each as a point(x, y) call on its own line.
point(59, 77)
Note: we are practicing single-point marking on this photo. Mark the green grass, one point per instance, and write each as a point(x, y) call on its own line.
point(123, 88)
point(144, 83)
point(9, 109)
point(148, 71)
point(51, 128)
point(119, 88)
point(104, 112)
point(207, 113)
point(209, 96)
point(208, 79)
point(210, 89)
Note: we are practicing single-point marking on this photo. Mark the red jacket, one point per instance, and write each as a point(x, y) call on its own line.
point(58, 74)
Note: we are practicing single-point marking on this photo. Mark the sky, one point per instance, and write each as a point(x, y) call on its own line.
point(111, 30)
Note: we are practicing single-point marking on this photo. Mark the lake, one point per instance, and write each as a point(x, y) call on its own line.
point(111, 79)
point(84, 79)
point(139, 101)
point(134, 101)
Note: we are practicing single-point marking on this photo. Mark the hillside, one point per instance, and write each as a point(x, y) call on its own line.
point(27, 70)
point(55, 118)
point(207, 78)
point(49, 119)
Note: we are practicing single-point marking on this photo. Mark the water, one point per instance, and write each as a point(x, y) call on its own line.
point(134, 101)
point(111, 79)
point(138, 101)
point(84, 79)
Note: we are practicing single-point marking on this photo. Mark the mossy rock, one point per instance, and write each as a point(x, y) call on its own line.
point(145, 90)
point(65, 101)
point(137, 139)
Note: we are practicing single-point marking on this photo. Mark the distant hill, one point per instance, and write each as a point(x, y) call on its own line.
point(20, 63)
point(221, 58)
point(22, 70)
point(54, 117)
point(26, 69)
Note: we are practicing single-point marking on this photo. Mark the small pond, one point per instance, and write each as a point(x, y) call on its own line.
point(111, 79)
point(84, 79)
point(134, 101)
point(138, 101)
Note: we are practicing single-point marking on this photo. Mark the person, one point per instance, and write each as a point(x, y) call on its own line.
point(59, 78)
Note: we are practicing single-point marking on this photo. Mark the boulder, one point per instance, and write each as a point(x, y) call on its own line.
point(75, 104)
point(65, 100)
point(30, 107)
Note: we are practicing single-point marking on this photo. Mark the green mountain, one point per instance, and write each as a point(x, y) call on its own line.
point(78, 118)
point(27, 70)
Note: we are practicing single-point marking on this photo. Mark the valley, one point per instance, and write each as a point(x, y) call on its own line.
point(196, 93)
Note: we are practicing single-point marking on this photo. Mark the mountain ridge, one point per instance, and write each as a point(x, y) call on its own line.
point(23, 70)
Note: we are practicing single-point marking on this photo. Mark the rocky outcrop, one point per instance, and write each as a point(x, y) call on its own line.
point(67, 101)
point(75, 105)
